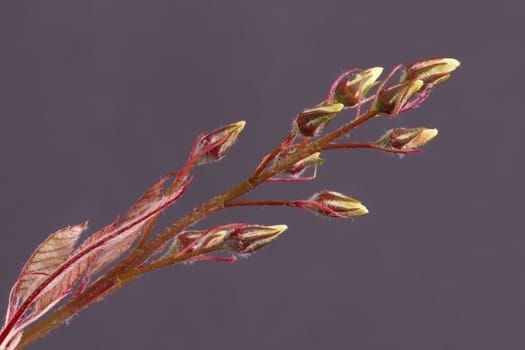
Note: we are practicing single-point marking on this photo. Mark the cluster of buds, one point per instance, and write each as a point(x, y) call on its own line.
point(349, 90)
point(406, 138)
point(214, 145)
point(416, 82)
point(333, 204)
point(56, 266)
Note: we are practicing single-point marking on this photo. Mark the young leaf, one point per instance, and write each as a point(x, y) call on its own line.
point(45, 260)
point(114, 248)
point(53, 270)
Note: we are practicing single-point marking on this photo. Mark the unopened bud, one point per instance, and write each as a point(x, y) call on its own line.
point(296, 169)
point(405, 139)
point(312, 121)
point(352, 86)
point(392, 99)
point(208, 240)
point(248, 239)
point(216, 144)
point(432, 71)
point(334, 204)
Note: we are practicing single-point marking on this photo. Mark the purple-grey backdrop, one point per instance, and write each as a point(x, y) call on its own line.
point(98, 98)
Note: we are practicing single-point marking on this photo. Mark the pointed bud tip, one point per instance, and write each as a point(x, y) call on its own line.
point(373, 73)
point(279, 228)
point(421, 138)
point(328, 108)
point(452, 63)
point(431, 133)
point(239, 125)
point(338, 107)
point(361, 211)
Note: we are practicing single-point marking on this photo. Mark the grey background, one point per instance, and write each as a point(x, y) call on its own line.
point(100, 98)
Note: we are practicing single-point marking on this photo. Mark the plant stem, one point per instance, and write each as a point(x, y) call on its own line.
point(261, 202)
point(128, 269)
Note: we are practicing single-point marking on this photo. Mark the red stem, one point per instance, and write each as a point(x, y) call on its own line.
point(261, 202)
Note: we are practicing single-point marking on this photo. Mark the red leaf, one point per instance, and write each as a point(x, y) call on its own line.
point(53, 270)
point(45, 260)
point(89, 241)
point(115, 247)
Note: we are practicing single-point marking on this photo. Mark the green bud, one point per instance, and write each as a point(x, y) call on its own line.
point(216, 144)
point(404, 139)
point(248, 239)
point(312, 121)
point(346, 90)
point(211, 240)
point(296, 169)
point(334, 204)
point(432, 71)
point(392, 99)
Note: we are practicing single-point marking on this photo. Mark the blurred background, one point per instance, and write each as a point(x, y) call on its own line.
point(99, 98)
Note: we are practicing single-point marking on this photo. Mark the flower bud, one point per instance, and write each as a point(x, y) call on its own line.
point(346, 88)
point(214, 146)
point(211, 239)
point(334, 204)
point(298, 168)
point(432, 71)
point(393, 99)
point(312, 121)
point(248, 239)
point(404, 139)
